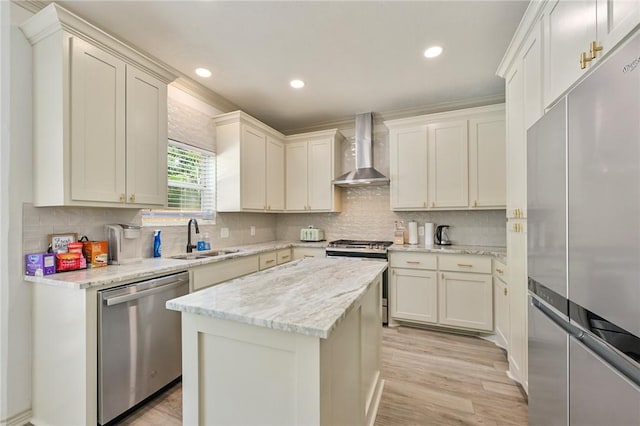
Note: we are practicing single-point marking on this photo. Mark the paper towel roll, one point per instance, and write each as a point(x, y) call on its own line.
point(428, 234)
point(413, 232)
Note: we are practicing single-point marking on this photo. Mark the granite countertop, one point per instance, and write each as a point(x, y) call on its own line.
point(498, 252)
point(308, 296)
point(114, 274)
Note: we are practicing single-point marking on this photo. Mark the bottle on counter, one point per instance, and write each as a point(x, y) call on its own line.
point(157, 249)
point(204, 243)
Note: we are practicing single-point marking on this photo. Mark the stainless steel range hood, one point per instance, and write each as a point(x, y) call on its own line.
point(364, 174)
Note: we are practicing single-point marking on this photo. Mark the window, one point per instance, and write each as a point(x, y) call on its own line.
point(191, 186)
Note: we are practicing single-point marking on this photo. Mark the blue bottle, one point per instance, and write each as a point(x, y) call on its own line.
point(157, 250)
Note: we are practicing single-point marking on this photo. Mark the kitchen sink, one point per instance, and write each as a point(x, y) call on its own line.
point(203, 255)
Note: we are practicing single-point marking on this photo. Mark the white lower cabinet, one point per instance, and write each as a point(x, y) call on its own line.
point(224, 270)
point(423, 289)
point(415, 295)
point(466, 300)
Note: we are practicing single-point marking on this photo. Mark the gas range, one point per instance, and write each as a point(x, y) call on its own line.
point(358, 248)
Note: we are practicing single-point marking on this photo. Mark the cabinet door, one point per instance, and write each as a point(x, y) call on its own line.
point(501, 312)
point(146, 139)
point(616, 19)
point(296, 176)
point(319, 161)
point(275, 174)
point(532, 81)
point(253, 168)
point(466, 300)
point(487, 162)
point(516, 148)
point(413, 295)
point(448, 164)
point(571, 27)
point(97, 124)
point(408, 167)
point(517, 261)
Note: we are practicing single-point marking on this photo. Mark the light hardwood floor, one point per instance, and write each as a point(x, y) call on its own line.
point(431, 378)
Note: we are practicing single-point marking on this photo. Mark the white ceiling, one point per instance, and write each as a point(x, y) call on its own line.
point(353, 56)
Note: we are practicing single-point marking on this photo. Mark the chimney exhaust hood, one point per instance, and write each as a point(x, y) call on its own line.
point(364, 174)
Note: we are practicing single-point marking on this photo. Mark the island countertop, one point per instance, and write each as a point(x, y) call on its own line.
point(309, 296)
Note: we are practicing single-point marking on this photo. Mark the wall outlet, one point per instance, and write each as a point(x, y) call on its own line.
point(224, 232)
point(252, 231)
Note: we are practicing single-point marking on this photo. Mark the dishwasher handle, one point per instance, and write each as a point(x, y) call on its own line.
point(116, 300)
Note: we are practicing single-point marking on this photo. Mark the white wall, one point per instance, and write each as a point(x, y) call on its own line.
point(15, 336)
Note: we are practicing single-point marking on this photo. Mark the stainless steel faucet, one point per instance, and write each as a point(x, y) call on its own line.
point(190, 246)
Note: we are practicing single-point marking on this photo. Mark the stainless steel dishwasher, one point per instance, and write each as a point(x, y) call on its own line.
point(139, 342)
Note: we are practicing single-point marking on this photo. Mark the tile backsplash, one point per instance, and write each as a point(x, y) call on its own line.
point(366, 214)
point(39, 222)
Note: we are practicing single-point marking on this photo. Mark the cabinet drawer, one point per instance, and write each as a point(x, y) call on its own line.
point(302, 252)
point(283, 256)
point(215, 273)
point(413, 260)
point(464, 263)
point(500, 270)
point(267, 260)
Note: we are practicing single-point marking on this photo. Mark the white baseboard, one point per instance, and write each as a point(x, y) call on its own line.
point(19, 419)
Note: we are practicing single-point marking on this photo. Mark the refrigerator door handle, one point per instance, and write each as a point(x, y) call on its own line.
point(557, 319)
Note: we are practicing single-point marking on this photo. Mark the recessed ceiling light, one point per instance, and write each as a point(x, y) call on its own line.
point(203, 72)
point(297, 84)
point(433, 51)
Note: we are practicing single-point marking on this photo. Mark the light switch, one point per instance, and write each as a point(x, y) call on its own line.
point(224, 232)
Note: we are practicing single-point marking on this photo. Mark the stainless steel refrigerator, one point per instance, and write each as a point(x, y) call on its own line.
point(583, 188)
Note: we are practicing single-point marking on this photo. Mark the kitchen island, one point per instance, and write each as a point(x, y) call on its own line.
point(296, 344)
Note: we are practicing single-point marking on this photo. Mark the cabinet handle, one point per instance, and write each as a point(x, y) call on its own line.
point(424, 204)
point(505, 291)
point(594, 48)
point(122, 198)
point(465, 265)
point(442, 275)
point(269, 261)
point(584, 59)
point(475, 203)
point(500, 271)
point(132, 198)
point(308, 255)
point(268, 207)
point(285, 257)
point(433, 204)
point(413, 262)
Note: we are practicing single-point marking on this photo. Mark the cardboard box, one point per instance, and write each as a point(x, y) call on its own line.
point(39, 264)
point(96, 253)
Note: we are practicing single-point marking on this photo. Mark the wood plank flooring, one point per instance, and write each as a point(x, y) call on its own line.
point(431, 378)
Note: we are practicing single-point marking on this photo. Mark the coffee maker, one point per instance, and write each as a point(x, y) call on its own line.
point(124, 244)
point(442, 235)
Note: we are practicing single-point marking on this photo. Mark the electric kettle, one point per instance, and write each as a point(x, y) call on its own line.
point(442, 235)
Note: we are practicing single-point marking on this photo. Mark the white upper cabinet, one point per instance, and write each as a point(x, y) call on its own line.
point(310, 161)
point(571, 27)
point(100, 117)
point(448, 164)
point(487, 159)
point(578, 34)
point(616, 19)
point(408, 161)
point(250, 163)
point(448, 161)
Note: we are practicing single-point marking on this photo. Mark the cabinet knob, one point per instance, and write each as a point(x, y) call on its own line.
point(500, 271)
point(122, 198)
point(584, 60)
point(505, 291)
point(594, 48)
point(132, 198)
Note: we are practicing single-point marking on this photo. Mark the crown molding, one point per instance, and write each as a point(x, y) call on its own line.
point(347, 123)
